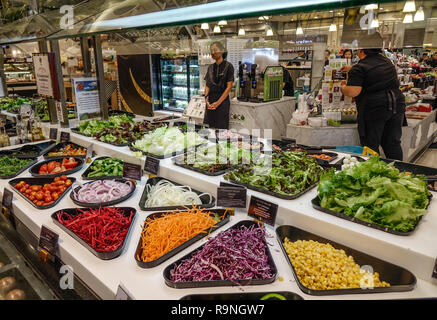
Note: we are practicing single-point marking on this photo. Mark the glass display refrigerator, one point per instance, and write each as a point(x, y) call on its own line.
point(177, 80)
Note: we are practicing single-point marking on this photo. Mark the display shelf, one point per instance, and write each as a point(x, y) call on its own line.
point(416, 253)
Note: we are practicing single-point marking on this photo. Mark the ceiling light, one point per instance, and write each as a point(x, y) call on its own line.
point(217, 29)
point(372, 6)
point(263, 18)
point(374, 24)
point(269, 32)
point(408, 18)
point(241, 32)
point(420, 15)
point(299, 30)
point(333, 27)
point(222, 23)
point(410, 6)
point(204, 26)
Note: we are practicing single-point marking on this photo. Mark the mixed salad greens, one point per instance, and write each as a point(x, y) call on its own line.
point(11, 165)
point(119, 129)
point(290, 173)
point(12, 104)
point(164, 141)
point(216, 157)
point(377, 192)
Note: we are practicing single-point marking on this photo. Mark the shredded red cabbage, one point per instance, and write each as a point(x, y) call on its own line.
point(234, 254)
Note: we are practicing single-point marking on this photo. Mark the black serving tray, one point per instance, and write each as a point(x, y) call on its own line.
point(173, 154)
point(41, 147)
point(290, 144)
point(169, 118)
point(21, 283)
point(87, 171)
point(186, 244)
point(39, 181)
point(101, 255)
point(399, 278)
point(413, 168)
point(120, 112)
point(316, 205)
point(333, 156)
point(153, 181)
point(180, 124)
point(34, 170)
point(181, 163)
point(287, 295)
point(76, 130)
point(57, 147)
point(20, 171)
point(219, 283)
point(102, 204)
point(271, 193)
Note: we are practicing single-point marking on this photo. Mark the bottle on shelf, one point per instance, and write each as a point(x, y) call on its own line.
point(36, 129)
point(4, 137)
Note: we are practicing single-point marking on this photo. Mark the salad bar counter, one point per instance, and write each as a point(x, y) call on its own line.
point(164, 238)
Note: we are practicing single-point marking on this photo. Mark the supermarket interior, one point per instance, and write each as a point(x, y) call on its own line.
point(218, 150)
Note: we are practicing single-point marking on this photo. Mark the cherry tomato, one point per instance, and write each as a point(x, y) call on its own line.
point(28, 191)
point(33, 193)
point(35, 188)
point(60, 183)
point(68, 183)
point(39, 195)
point(63, 177)
point(23, 190)
point(32, 197)
point(35, 201)
point(48, 198)
point(55, 196)
point(57, 179)
point(40, 203)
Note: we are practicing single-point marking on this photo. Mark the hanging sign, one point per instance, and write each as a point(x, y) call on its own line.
point(45, 75)
point(59, 112)
point(87, 96)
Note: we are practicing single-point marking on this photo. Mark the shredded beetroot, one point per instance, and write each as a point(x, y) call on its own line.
point(234, 254)
point(104, 229)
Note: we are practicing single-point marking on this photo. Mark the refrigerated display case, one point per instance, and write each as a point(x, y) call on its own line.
point(179, 81)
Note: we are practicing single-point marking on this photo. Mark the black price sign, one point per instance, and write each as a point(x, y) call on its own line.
point(123, 293)
point(53, 134)
point(151, 165)
point(229, 195)
point(132, 171)
point(7, 202)
point(263, 210)
point(48, 240)
point(65, 136)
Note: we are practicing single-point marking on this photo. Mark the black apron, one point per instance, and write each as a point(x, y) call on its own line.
point(361, 107)
point(376, 90)
point(218, 118)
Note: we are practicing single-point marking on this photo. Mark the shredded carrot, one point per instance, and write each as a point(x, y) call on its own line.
point(165, 233)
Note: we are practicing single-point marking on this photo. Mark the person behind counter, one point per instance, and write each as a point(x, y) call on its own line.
point(433, 62)
point(219, 79)
point(288, 84)
point(374, 84)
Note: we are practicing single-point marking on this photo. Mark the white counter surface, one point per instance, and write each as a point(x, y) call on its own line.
point(416, 252)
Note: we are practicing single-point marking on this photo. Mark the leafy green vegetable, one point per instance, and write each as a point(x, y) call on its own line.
point(376, 192)
point(107, 167)
point(164, 141)
point(11, 165)
point(217, 157)
point(290, 173)
point(12, 104)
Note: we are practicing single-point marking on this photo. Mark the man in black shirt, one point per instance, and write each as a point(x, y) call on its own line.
point(374, 83)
